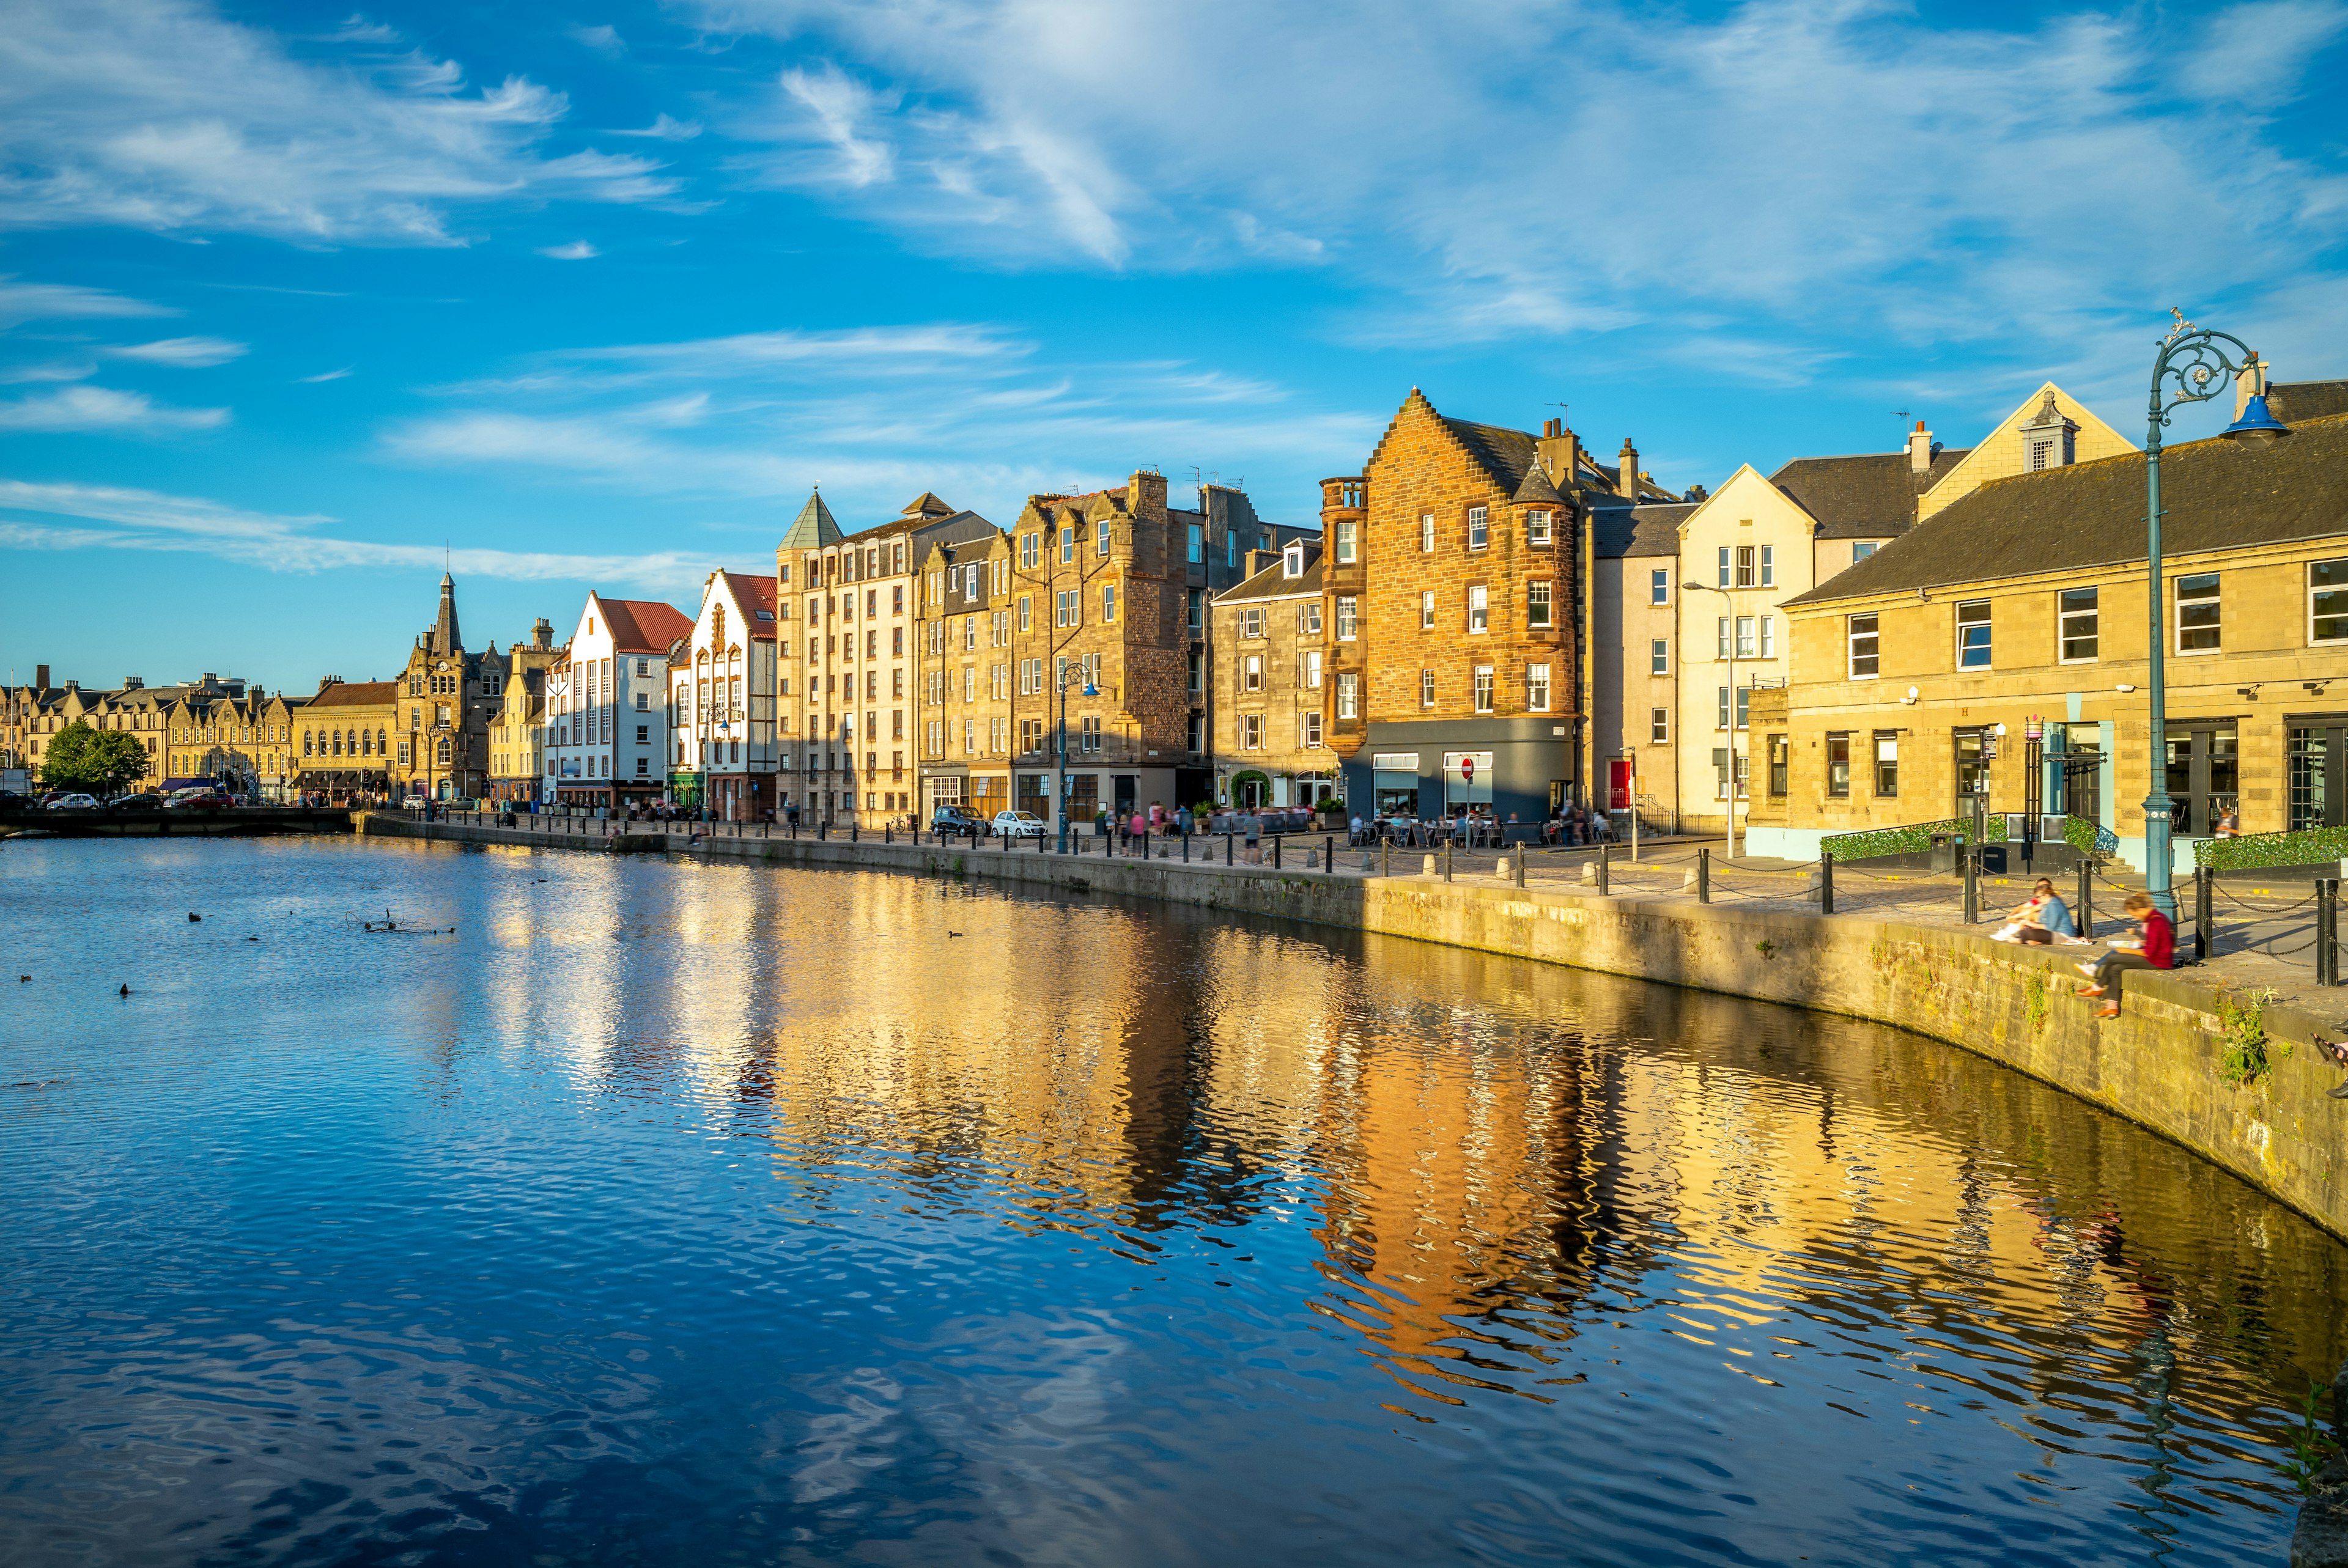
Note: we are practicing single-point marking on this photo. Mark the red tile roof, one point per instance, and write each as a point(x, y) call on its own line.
point(753, 594)
point(644, 625)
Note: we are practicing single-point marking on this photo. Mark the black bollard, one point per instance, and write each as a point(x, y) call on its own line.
point(1826, 881)
point(2327, 930)
point(1704, 876)
point(1973, 885)
point(1447, 860)
point(1275, 852)
point(2203, 878)
point(2085, 913)
point(1227, 849)
point(1329, 853)
point(1605, 870)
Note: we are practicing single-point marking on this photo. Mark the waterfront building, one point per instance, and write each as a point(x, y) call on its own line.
point(728, 725)
point(1635, 705)
point(1271, 637)
point(851, 629)
point(607, 704)
point(342, 739)
point(963, 671)
point(517, 724)
point(207, 731)
point(441, 752)
point(684, 765)
point(1455, 579)
point(1997, 650)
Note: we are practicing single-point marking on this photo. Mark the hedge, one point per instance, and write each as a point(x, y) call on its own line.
point(2311, 847)
point(2088, 839)
point(1913, 839)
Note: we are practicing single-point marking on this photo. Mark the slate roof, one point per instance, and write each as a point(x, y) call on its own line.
point(643, 625)
point(927, 505)
point(2090, 515)
point(1270, 583)
point(2292, 401)
point(1872, 495)
point(1536, 490)
point(1648, 530)
point(814, 527)
point(353, 694)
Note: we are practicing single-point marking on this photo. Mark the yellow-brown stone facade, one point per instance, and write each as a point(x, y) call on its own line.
point(966, 675)
point(1270, 638)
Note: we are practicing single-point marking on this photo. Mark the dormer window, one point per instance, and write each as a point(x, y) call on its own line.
point(2048, 439)
point(1291, 561)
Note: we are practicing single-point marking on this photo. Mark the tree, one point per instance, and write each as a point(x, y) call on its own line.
point(99, 761)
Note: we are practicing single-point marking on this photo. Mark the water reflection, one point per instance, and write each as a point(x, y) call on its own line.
point(761, 1208)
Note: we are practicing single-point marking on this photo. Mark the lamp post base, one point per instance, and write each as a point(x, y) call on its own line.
point(2159, 849)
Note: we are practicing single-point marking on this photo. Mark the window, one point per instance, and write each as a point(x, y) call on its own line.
point(1311, 731)
point(1972, 635)
point(1108, 602)
point(1348, 548)
point(1349, 696)
point(1427, 688)
point(1839, 765)
point(1537, 604)
point(1721, 580)
point(1426, 531)
point(1887, 762)
point(1312, 670)
point(1426, 610)
point(1024, 618)
point(1308, 618)
point(1537, 688)
point(1768, 566)
point(1251, 622)
point(2327, 601)
point(1720, 628)
point(1768, 637)
point(1230, 549)
point(1747, 646)
point(1345, 618)
point(1252, 672)
point(1744, 566)
point(1860, 550)
point(1251, 732)
point(1068, 544)
point(2197, 613)
point(1478, 609)
point(1536, 527)
point(1659, 726)
point(1483, 683)
point(1100, 539)
point(1198, 545)
point(1779, 754)
point(2078, 624)
point(1659, 656)
point(1480, 530)
point(1863, 647)
point(1720, 721)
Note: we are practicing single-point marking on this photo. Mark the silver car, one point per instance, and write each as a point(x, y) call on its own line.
point(1018, 824)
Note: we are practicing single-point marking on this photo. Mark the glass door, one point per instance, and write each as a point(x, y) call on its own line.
point(2318, 793)
point(2204, 776)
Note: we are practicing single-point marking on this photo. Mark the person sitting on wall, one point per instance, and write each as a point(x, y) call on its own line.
point(2040, 919)
point(2155, 947)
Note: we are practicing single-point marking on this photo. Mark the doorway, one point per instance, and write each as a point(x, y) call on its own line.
point(2204, 776)
point(2318, 773)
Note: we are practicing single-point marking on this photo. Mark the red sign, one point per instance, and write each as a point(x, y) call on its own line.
point(1467, 767)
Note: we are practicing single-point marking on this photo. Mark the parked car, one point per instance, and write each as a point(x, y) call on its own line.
point(957, 819)
point(194, 799)
point(1018, 824)
point(75, 801)
point(144, 801)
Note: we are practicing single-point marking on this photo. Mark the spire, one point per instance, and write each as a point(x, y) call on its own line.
point(445, 639)
point(814, 527)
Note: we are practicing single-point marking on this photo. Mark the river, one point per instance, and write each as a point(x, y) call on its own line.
point(627, 1210)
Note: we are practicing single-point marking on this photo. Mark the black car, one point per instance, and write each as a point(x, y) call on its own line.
point(952, 819)
point(143, 801)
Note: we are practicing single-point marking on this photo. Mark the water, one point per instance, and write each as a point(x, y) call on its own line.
point(669, 1213)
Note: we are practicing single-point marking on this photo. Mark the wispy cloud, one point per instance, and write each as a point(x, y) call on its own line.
point(323, 375)
point(135, 519)
point(162, 115)
point(664, 128)
point(604, 40)
point(183, 353)
point(577, 250)
point(102, 410)
point(23, 302)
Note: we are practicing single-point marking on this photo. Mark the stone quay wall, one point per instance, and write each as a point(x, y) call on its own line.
point(2157, 1064)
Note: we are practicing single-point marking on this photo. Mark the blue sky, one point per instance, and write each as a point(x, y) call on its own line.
point(291, 296)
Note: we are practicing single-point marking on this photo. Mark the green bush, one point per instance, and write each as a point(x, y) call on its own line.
point(1913, 839)
point(2088, 839)
point(2310, 847)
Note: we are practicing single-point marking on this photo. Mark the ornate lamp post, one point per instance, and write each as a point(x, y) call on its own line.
point(2192, 368)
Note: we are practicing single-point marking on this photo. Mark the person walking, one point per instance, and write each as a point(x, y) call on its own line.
point(2154, 948)
point(1252, 826)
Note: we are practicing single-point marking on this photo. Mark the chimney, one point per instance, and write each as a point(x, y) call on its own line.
point(1627, 470)
point(41, 676)
point(2251, 383)
point(133, 682)
point(1920, 449)
point(542, 634)
point(1559, 453)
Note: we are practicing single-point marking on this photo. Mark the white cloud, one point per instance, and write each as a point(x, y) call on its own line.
point(577, 250)
point(148, 520)
point(604, 40)
point(93, 409)
point(323, 375)
point(664, 128)
point(160, 113)
point(184, 353)
point(21, 302)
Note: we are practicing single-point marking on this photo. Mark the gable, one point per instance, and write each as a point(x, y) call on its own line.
point(2002, 452)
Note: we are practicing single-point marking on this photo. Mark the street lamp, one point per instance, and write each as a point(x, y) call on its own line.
point(1060, 769)
point(1731, 804)
point(2192, 361)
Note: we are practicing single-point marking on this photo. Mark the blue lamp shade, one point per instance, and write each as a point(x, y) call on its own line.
point(2256, 427)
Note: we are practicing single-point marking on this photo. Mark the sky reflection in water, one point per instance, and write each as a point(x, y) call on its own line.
point(673, 1213)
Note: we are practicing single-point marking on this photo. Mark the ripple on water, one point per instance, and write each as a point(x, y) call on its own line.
point(669, 1211)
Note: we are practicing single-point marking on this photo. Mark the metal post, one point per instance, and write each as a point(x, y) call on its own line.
point(1972, 883)
point(1605, 868)
point(2327, 930)
point(1521, 866)
point(1447, 860)
point(2085, 913)
point(1826, 881)
point(1227, 849)
point(1186, 849)
point(1275, 852)
point(1704, 876)
point(1385, 856)
point(2203, 880)
point(1329, 853)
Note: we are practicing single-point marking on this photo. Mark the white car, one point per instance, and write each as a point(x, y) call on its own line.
point(73, 803)
point(1018, 824)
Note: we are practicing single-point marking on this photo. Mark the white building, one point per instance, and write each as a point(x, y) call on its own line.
point(725, 714)
point(607, 720)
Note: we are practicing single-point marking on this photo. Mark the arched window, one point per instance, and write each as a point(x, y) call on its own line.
point(305, 742)
point(382, 744)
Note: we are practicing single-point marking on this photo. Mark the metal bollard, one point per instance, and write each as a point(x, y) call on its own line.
point(1385, 856)
point(1605, 868)
point(823, 832)
point(1826, 881)
point(2327, 930)
point(1447, 860)
point(1006, 844)
point(888, 832)
point(1275, 852)
point(1973, 886)
point(852, 832)
point(1521, 866)
point(1704, 876)
point(1227, 849)
point(1329, 853)
point(2204, 881)
point(1186, 849)
point(2085, 913)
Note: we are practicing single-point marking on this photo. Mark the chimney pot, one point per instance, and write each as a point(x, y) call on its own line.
point(1920, 449)
point(41, 676)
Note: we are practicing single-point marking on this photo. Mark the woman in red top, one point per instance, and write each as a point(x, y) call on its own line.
point(2156, 949)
